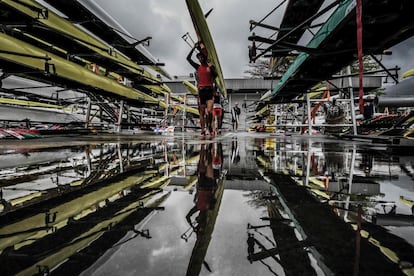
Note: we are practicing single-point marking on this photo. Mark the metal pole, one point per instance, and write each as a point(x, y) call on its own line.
point(308, 107)
point(121, 110)
point(121, 164)
point(88, 113)
point(308, 163)
point(128, 111)
point(276, 118)
point(351, 102)
point(185, 113)
point(350, 180)
point(167, 109)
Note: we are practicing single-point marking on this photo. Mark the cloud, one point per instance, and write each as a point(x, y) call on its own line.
point(402, 56)
point(167, 20)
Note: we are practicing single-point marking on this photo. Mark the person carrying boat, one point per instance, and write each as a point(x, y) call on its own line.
point(206, 75)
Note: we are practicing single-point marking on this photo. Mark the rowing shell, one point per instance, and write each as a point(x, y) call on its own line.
point(408, 73)
point(22, 53)
point(206, 41)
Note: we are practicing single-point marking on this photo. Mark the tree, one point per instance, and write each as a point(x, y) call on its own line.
point(263, 67)
point(259, 69)
point(369, 65)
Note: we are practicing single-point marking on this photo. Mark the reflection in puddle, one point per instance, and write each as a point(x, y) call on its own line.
point(231, 206)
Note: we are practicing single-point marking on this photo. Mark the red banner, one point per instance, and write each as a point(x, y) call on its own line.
point(360, 55)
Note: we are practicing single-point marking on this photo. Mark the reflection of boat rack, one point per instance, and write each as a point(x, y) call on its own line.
point(100, 229)
point(87, 201)
point(296, 177)
point(393, 220)
point(290, 194)
point(70, 173)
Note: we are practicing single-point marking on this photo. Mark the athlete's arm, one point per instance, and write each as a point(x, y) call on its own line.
point(190, 60)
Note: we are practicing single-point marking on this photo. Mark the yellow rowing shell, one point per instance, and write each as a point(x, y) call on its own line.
point(20, 52)
point(206, 40)
point(408, 73)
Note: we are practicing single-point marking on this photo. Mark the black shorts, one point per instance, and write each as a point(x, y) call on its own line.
point(205, 182)
point(205, 93)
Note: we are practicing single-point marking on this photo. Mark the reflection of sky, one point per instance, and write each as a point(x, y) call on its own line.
point(42, 184)
point(227, 253)
point(167, 254)
point(406, 233)
point(386, 170)
point(392, 193)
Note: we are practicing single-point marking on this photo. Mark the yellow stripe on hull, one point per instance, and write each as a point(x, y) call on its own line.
point(191, 88)
point(67, 69)
point(68, 29)
point(32, 104)
point(408, 73)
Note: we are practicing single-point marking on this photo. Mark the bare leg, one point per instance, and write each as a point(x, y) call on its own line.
point(219, 122)
point(213, 122)
point(209, 112)
point(202, 111)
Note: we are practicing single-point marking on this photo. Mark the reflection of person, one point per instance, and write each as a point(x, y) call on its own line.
point(235, 157)
point(235, 113)
point(217, 160)
point(206, 186)
point(367, 163)
point(206, 75)
point(217, 112)
point(3, 201)
point(260, 128)
point(250, 246)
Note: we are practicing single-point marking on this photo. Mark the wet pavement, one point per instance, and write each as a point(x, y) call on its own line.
point(238, 204)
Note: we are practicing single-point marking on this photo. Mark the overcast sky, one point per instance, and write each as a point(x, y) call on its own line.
point(166, 21)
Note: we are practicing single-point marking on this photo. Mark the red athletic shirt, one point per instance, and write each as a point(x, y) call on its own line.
point(205, 75)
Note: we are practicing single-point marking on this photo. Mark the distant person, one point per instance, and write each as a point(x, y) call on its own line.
point(368, 110)
point(252, 52)
point(217, 112)
point(260, 128)
point(235, 113)
point(206, 75)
